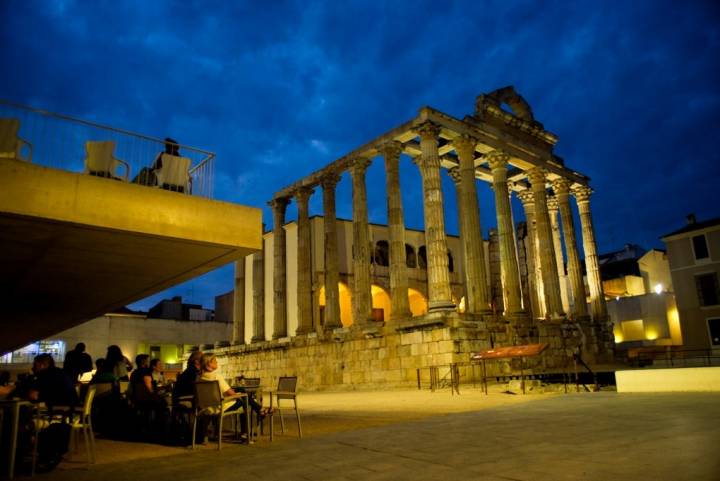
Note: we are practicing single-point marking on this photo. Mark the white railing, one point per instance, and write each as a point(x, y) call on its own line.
point(60, 141)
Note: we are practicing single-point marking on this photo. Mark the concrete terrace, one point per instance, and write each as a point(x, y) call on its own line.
point(398, 435)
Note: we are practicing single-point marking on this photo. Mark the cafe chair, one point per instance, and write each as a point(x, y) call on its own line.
point(83, 423)
point(286, 391)
point(101, 162)
point(11, 145)
point(174, 174)
point(209, 402)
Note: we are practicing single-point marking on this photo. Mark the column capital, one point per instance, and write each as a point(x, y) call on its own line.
point(391, 149)
point(330, 180)
point(526, 197)
point(552, 204)
point(582, 193)
point(279, 203)
point(465, 145)
point(497, 159)
point(302, 194)
point(454, 174)
point(561, 186)
point(359, 165)
point(428, 129)
point(537, 175)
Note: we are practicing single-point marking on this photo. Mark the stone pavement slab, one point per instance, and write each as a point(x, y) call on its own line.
point(591, 436)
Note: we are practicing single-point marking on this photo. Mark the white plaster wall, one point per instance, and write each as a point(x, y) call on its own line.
point(249, 301)
point(669, 380)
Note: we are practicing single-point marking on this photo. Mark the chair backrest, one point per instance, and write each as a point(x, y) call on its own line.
point(251, 382)
point(287, 385)
point(174, 171)
point(103, 388)
point(9, 144)
point(123, 385)
point(208, 395)
point(99, 157)
point(87, 406)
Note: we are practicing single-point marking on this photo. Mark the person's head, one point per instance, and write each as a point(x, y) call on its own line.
point(209, 363)
point(156, 365)
point(114, 354)
point(172, 147)
point(99, 364)
point(42, 362)
point(142, 360)
point(195, 360)
point(80, 347)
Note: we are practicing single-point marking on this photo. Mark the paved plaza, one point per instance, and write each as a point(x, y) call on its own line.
point(398, 435)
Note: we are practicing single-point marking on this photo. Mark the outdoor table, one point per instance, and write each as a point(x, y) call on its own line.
point(13, 406)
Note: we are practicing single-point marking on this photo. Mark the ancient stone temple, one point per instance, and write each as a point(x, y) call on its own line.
point(349, 303)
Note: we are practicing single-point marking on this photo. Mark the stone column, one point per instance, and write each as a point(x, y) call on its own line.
point(546, 249)
point(304, 267)
point(498, 162)
point(238, 336)
point(440, 297)
point(562, 193)
point(362, 296)
point(279, 268)
point(597, 297)
point(400, 305)
point(258, 297)
point(332, 276)
point(553, 208)
point(478, 295)
point(496, 287)
point(534, 279)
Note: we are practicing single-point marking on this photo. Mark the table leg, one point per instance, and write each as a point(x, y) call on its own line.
point(13, 439)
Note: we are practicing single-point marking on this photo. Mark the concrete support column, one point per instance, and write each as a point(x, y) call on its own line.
point(478, 295)
point(279, 207)
point(440, 296)
point(238, 332)
point(562, 193)
point(498, 162)
point(258, 297)
point(597, 297)
point(534, 277)
point(304, 266)
point(332, 276)
point(400, 305)
point(546, 249)
point(362, 297)
point(553, 209)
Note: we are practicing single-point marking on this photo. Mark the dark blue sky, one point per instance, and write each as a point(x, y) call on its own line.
point(279, 89)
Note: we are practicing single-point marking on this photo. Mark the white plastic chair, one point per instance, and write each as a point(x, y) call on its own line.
point(100, 161)
point(174, 173)
point(10, 144)
point(83, 423)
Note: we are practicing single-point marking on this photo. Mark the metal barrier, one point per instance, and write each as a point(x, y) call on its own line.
point(59, 141)
point(451, 378)
point(668, 357)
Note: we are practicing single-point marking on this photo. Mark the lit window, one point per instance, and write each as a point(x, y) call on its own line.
point(707, 288)
point(700, 247)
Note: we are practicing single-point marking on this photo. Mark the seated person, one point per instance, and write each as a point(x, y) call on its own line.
point(51, 385)
point(143, 393)
point(158, 377)
point(185, 383)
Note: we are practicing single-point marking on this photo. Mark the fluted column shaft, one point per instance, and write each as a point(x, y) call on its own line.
point(478, 295)
point(506, 239)
point(238, 335)
point(279, 207)
point(597, 297)
point(546, 249)
point(562, 193)
point(534, 279)
point(362, 296)
point(258, 297)
point(304, 266)
point(332, 276)
point(440, 296)
point(553, 209)
point(399, 303)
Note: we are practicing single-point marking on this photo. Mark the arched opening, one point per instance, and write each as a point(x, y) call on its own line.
point(345, 304)
point(410, 259)
point(418, 302)
point(381, 255)
point(422, 257)
point(380, 303)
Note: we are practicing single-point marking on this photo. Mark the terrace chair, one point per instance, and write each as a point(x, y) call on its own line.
point(174, 174)
point(209, 401)
point(100, 161)
point(10, 144)
point(83, 423)
point(286, 390)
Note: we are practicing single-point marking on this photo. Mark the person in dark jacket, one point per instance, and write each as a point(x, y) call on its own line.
point(77, 362)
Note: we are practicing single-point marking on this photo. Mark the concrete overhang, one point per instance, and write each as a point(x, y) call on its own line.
point(74, 246)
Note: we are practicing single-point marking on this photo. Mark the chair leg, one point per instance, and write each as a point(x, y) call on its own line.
point(92, 442)
point(282, 421)
point(87, 443)
point(194, 430)
point(297, 414)
point(219, 433)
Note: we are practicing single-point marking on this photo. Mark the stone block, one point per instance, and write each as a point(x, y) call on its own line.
point(414, 337)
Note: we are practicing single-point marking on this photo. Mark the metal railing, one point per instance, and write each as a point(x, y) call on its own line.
point(675, 358)
point(59, 141)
